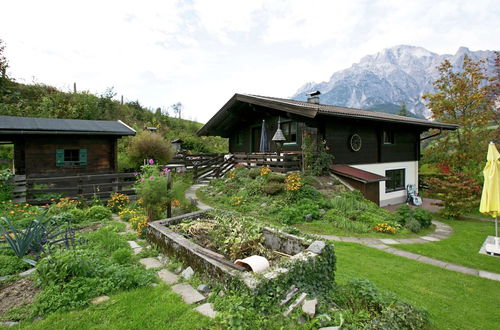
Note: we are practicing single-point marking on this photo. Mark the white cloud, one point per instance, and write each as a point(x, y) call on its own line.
point(201, 52)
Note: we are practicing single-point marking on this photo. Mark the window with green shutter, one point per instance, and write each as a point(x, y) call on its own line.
point(83, 157)
point(66, 157)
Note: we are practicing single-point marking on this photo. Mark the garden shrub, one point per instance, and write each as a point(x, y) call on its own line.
point(297, 212)
point(122, 256)
point(423, 216)
point(152, 189)
point(63, 265)
point(254, 172)
point(106, 241)
point(459, 193)
point(147, 145)
point(75, 215)
point(10, 265)
point(276, 177)
point(272, 188)
point(408, 217)
point(413, 225)
point(98, 213)
point(116, 226)
point(6, 187)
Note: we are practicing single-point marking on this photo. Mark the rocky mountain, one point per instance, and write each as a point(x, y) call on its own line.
point(386, 80)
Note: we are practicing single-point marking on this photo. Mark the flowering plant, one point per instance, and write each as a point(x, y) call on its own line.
point(293, 181)
point(117, 202)
point(151, 187)
point(265, 171)
point(385, 228)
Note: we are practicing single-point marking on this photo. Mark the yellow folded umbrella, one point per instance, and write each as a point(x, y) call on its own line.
point(490, 199)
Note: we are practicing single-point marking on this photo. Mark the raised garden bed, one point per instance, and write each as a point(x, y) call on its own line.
point(289, 255)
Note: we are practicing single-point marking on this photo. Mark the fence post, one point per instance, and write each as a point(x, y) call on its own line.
point(169, 188)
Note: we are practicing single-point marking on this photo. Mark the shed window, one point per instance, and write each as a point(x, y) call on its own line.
point(66, 157)
point(290, 131)
point(396, 180)
point(239, 138)
point(388, 137)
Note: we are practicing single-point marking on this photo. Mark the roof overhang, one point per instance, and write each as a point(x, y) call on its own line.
point(357, 174)
point(232, 112)
point(227, 114)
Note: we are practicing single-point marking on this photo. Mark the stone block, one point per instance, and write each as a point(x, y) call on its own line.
point(187, 273)
point(167, 276)
point(317, 247)
point(207, 310)
point(151, 263)
point(188, 293)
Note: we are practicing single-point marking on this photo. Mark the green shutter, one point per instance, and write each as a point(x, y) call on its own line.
point(59, 157)
point(83, 157)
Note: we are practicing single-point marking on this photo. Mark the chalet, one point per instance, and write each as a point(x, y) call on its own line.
point(45, 146)
point(376, 153)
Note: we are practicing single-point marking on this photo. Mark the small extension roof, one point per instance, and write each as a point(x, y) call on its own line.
point(357, 174)
point(311, 110)
point(29, 125)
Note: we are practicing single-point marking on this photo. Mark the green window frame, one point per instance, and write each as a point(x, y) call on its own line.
point(65, 157)
point(396, 180)
point(289, 130)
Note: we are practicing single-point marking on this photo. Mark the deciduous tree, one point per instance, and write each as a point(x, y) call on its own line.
point(462, 97)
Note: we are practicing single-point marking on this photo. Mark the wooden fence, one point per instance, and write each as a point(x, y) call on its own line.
point(38, 190)
point(283, 163)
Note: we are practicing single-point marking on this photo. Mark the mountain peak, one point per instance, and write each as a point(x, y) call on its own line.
point(387, 79)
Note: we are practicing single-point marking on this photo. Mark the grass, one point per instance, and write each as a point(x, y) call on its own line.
point(326, 228)
point(462, 247)
point(454, 300)
point(144, 308)
point(317, 226)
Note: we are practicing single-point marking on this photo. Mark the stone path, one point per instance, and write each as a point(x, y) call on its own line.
point(442, 231)
point(191, 196)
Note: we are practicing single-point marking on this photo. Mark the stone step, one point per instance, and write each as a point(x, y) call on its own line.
point(167, 276)
point(188, 293)
point(207, 310)
point(151, 263)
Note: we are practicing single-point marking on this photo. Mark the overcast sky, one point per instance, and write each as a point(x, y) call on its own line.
point(202, 52)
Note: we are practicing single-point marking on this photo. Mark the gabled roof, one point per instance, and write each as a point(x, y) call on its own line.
point(29, 125)
point(311, 110)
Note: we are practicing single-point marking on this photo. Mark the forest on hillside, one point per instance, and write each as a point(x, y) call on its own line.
point(40, 100)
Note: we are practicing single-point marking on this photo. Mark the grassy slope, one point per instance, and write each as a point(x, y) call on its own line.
point(462, 247)
point(454, 300)
point(145, 308)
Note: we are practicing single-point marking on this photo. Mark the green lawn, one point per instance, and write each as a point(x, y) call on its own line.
point(462, 247)
point(144, 308)
point(325, 228)
point(454, 300)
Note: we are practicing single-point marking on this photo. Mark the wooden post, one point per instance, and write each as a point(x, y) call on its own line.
point(74, 87)
point(169, 188)
point(122, 100)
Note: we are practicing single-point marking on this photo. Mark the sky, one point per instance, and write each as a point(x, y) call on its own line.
point(200, 52)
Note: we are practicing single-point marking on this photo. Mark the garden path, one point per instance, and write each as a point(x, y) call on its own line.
point(442, 231)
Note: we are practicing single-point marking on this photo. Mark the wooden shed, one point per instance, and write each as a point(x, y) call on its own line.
point(50, 147)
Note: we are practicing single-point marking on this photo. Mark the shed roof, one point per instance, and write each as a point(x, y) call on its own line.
point(29, 125)
point(357, 174)
point(311, 110)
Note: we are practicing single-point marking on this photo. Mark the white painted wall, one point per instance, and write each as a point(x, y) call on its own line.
point(395, 197)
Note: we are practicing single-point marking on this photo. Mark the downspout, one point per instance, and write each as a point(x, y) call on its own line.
point(433, 135)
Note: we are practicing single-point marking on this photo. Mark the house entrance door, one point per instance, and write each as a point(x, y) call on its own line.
point(256, 131)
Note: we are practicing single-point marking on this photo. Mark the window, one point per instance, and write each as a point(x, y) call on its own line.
point(290, 131)
point(388, 137)
point(396, 180)
point(239, 138)
point(65, 157)
point(71, 155)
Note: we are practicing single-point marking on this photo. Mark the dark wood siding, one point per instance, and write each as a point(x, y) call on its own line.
point(405, 147)
point(337, 134)
point(41, 154)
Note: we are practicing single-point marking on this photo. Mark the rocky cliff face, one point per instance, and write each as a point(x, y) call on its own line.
point(386, 80)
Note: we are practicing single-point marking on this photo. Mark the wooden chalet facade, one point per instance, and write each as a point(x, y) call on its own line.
point(59, 147)
point(383, 148)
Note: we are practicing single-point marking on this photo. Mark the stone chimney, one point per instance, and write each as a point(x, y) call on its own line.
point(313, 97)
